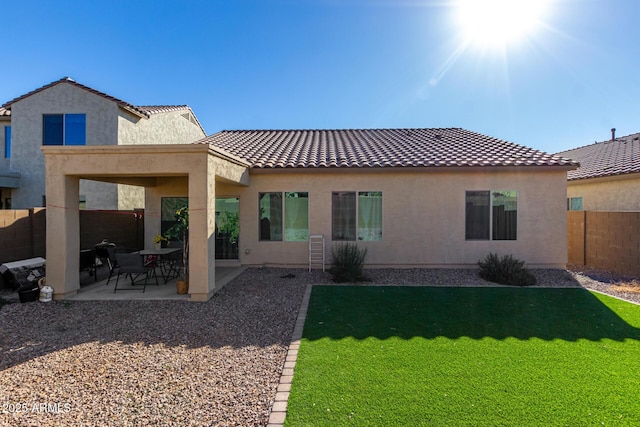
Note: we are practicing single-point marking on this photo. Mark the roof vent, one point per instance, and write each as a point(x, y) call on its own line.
point(613, 134)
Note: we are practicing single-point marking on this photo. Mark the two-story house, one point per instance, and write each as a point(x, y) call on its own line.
point(8, 179)
point(67, 113)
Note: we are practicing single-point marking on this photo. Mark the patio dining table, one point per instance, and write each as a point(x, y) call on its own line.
point(161, 253)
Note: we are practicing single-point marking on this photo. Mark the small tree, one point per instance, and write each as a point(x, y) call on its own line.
point(180, 231)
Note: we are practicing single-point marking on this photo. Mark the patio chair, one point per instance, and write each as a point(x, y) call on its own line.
point(132, 265)
point(112, 261)
point(88, 262)
point(172, 263)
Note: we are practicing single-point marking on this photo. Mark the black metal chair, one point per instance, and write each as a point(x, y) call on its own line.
point(132, 265)
point(88, 262)
point(172, 263)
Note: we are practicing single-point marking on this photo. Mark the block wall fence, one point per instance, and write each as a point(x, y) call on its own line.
point(605, 240)
point(23, 231)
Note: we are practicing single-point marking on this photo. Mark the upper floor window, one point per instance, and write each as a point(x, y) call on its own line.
point(491, 213)
point(574, 203)
point(290, 211)
point(7, 142)
point(356, 215)
point(64, 129)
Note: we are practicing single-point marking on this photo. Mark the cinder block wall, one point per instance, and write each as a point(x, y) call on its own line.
point(23, 232)
point(610, 240)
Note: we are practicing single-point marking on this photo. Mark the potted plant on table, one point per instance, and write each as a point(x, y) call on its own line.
point(157, 241)
point(180, 231)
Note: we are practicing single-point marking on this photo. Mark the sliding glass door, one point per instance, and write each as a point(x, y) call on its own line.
point(227, 227)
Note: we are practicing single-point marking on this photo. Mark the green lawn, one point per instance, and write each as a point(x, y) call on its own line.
point(407, 356)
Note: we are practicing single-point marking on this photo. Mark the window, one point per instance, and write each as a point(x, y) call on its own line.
point(356, 215)
point(574, 203)
point(293, 207)
point(491, 213)
point(7, 142)
point(64, 129)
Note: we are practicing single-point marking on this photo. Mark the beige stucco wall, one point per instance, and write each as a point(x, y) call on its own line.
point(161, 128)
point(101, 122)
point(423, 216)
point(620, 193)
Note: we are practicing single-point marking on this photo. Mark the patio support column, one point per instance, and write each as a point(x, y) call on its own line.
point(63, 234)
point(202, 207)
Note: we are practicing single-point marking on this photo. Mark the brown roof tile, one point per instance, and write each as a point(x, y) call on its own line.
point(618, 157)
point(434, 147)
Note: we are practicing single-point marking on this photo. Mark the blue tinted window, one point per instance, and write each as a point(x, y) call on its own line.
point(52, 129)
point(74, 129)
point(64, 129)
point(7, 142)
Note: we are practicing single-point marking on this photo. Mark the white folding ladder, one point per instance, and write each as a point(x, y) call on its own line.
point(316, 250)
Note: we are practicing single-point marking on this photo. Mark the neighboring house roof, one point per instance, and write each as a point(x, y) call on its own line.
point(615, 157)
point(4, 112)
point(436, 147)
point(142, 111)
point(157, 109)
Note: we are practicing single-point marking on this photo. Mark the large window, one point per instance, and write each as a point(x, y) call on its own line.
point(356, 215)
point(293, 207)
point(491, 213)
point(64, 129)
point(7, 142)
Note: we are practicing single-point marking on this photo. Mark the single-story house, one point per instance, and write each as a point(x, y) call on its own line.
point(442, 197)
point(608, 178)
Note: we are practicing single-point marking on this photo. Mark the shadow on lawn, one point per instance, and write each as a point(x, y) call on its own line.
point(431, 312)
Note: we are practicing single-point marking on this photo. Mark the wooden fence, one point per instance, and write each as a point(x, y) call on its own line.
point(605, 240)
point(23, 231)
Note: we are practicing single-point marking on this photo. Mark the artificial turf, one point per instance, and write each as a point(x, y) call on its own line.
point(399, 356)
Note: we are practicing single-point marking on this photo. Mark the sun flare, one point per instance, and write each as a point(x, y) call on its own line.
point(497, 23)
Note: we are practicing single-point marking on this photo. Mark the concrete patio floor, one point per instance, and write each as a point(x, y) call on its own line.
point(100, 291)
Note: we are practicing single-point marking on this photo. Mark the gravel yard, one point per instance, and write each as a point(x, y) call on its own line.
point(133, 363)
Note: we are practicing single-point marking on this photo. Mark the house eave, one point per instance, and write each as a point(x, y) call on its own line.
point(604, 178)
point(411, 169)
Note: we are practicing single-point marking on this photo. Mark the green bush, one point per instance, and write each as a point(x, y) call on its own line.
point(347, 262)
point(506, 271)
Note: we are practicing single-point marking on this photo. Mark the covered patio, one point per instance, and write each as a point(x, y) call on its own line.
point(162, 170)
point(100, 290)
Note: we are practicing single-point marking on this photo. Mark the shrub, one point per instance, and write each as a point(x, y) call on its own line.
point(347, 262)
point(506, 271)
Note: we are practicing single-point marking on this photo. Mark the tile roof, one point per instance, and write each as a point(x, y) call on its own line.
point(4, 112)
point(155, 109)
point(144, 110)
point(618, 157)
point(70, 81)
point(434, 147)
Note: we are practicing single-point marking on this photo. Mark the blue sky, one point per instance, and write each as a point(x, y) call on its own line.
point(339, 64)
